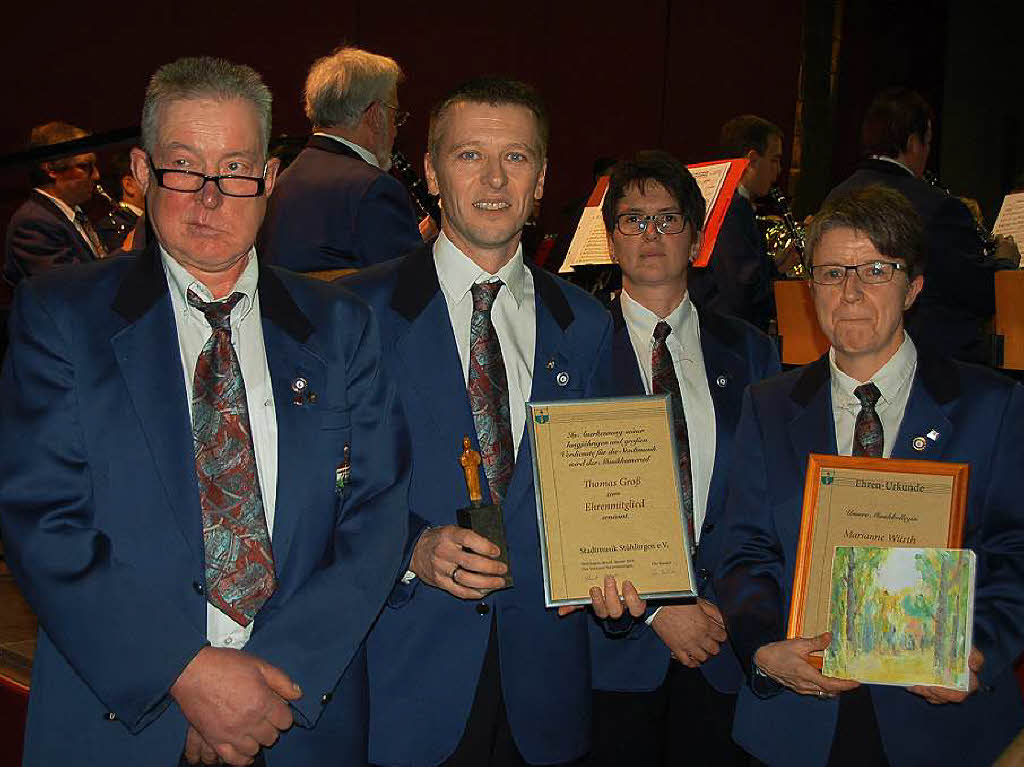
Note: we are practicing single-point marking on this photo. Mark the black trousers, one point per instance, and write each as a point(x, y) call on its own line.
point(857, 742)
point(487, 740)
point(686, 721)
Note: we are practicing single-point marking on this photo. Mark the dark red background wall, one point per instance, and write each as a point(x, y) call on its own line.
point(618, 76)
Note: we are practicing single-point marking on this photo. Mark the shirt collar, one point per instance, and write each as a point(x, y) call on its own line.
point(131, 208)
point(363, 152)
point(894, 161)
point(744, 192)
point(457, 272)
point(890, 378)
point(180, 281)
point(644, 320)
point(66, 209)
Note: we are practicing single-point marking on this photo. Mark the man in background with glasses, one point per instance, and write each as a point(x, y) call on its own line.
point(679, 674)
point(202, 470)
point(50, 229)
point(336, 206)
point(872, 395)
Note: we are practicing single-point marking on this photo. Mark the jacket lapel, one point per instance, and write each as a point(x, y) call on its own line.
point(146, 350)
point(50, 205)
point(286, 331)
point(625, 369)
point(925, 423)
point(555, 375)
point(727, 377)
point(813, 429)
point(428, 346)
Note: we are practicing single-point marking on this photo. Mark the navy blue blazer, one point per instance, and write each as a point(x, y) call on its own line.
point(40, 237)
point(978, 416)
point(958, 297)
point(738, 278)
point(736, 354)
point(331, 209)
point(427, 648)
point(102, 522)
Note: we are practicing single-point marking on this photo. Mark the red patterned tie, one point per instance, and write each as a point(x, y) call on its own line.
point(868, 438)
point(488, 393)
point(665, 382)
point(239, 560)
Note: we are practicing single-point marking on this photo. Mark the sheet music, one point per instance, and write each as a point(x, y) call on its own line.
point(1011, 219)
point(589, 246)
point(709, 180)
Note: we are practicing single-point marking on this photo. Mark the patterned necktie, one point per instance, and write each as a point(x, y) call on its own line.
point(665, 382)
point(98, 248)
point(488, 393)
point(239, 560)
point(867, 434)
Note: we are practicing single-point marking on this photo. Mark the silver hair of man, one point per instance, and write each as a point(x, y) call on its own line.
point(340, 87)
point(203, 77)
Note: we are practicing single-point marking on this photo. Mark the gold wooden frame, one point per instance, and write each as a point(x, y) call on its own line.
point(805, 561)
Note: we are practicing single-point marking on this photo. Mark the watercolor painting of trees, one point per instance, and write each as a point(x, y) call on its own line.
point(901, 616)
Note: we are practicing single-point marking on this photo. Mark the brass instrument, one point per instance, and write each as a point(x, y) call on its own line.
point(98, 189)
point(784, 238)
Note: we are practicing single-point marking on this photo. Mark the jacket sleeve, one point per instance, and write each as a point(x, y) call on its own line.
point(999, 599)
point(88, 599)
point(748, 579)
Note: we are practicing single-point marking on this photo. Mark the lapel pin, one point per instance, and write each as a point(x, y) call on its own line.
point(551, 364)
point(343, 473)
point(562, 379)
point(932, 435)
point(919, 443)
point(300, 391)
point(722, 381)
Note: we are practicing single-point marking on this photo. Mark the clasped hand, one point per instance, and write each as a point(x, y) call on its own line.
point(235, 704)
point(459, 561)
point(693, 633)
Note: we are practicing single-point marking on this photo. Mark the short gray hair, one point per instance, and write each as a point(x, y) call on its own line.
point(341, 86)
point(199, 78)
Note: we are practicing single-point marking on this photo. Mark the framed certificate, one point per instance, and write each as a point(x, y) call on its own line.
point(609, 500)
point(869, 502)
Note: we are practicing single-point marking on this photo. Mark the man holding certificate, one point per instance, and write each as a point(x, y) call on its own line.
point(464, 669)
point(663, 342)
point(872, 395)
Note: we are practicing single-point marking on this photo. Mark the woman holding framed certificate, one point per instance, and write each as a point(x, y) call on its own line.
point(875, 399)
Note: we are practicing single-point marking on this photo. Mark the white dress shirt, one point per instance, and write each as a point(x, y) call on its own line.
point(894, 161)
point(247, 339)
point(894, 380)
point(513, 314)
point(688, 360)
point(70, 212)
point(363, 152)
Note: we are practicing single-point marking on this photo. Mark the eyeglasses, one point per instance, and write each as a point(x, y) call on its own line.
point(400, 116)
point(191, 181)
point(632, 224)
point(870, 273)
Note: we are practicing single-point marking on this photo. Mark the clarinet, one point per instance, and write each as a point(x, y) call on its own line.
point(796, 232)
point(988, 240)
point(425, 202)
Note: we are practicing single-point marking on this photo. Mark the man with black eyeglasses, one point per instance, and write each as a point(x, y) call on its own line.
point(677, 674)
point(203, 470)
point(336, 206)
point(50, 229)
point(874, 394)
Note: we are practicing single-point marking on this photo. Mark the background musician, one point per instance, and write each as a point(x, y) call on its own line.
point(336, 207)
